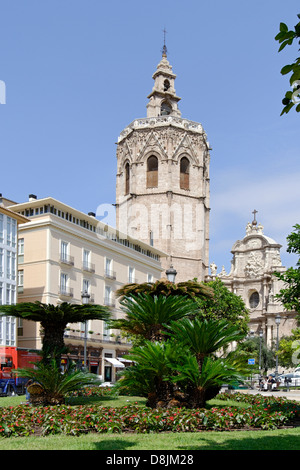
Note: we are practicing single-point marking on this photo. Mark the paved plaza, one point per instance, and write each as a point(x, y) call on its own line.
point(290, 395)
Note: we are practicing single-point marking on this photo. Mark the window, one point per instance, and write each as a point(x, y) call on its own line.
point(184, 173)
point(1, 295)
point(7, 331)
point(151, 238)
point(108, 265)
point(106, 332)
point(166, 85)
point(64, 251)
point(63, 283)
point(86, 286)
point(149, 277)
point(86, 259)
point(254, 300)
point(107, 296)
point(108, 271)
point(165, 108)
point(127, 178)
point(21, 250)
point(11, 265)
point(10, 294)
point(152, 172)
point(20, 281)
point(20, 327)
point(11, 232)
point(1, 228)
point(131, 272)
point(1, 263)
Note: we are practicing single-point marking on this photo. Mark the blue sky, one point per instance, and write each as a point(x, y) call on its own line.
point(77, 72)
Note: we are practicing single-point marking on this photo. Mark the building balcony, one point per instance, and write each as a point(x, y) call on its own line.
point(89, 267)
point(109, 302)
point(71, 334)
point(110, 274)
point(65, 292)
point(67, 259)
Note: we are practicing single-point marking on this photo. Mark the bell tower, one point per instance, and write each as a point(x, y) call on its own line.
point(163, 100)
point(162, 185)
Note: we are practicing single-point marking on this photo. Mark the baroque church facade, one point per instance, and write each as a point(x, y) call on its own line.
point(163, 199)
point(255, 259)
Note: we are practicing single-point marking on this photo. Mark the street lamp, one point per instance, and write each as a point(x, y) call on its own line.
point(277, 321)
point(260, 341)
point(85, 300)
point(171, 274)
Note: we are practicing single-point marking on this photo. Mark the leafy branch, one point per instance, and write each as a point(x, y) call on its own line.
point(286, 37)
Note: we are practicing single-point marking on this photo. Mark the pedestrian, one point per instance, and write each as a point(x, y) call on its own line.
point(270, 383)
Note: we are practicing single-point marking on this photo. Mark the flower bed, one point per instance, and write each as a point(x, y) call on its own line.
point(25, 420)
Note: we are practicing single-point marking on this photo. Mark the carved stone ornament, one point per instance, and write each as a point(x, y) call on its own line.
point(254, 265)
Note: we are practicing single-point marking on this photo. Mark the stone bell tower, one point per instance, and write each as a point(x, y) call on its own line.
point(162, 187)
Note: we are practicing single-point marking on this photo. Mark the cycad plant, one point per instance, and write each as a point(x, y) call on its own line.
point(50, 386)
point(204, 337)
point(183, 369)
point(153, 366)
point(53, 320)
point(147, 316)
point(197, 384)
point(191, 288)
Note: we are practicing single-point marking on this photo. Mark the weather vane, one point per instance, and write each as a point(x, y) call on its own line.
point(164, 49)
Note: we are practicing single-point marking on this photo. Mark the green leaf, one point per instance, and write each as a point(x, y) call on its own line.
point(295, 76)
point(287, 108)
point(285, 43)
point(283, 27)
point(286, 69)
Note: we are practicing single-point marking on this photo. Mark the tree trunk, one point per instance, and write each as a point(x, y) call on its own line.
point(53, 342)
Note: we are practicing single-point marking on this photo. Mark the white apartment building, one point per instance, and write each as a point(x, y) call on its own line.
point(9, 222)
point(63, 253)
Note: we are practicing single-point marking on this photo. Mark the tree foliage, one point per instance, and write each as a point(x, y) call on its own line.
point(286, 37)
point(289, 350)
point(224, 304)
point(289, 295)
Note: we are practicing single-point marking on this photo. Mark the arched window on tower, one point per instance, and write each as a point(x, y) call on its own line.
point(184, 173)
point(127, 178)
point(152, 172)
point(166, 84)
point(165, 108)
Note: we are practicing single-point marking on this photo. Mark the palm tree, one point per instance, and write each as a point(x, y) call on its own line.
point(54, 319)
point(147, 315)
point(192, 289)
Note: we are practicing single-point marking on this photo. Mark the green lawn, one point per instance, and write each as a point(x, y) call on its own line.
point(283, 439)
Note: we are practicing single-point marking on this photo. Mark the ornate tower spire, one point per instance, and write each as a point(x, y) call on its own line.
point(163, 100)
point(164, 49)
